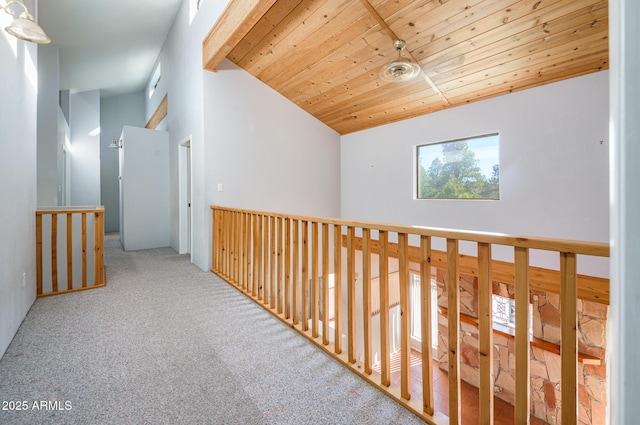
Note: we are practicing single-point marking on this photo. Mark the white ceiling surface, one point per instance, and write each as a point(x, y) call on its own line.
point(107, 45)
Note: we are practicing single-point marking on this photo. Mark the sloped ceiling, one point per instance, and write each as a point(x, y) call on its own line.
point(326, 55)
point(107, 45)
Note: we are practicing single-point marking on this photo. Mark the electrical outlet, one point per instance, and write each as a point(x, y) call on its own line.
point(24, 279)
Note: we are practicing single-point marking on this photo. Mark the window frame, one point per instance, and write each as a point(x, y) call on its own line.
point(476, 138)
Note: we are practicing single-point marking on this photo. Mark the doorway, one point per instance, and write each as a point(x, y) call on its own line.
point(184, 158)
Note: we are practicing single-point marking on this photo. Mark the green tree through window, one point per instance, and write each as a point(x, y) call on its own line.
point(452, 170)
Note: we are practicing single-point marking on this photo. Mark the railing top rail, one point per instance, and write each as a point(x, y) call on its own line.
point(597, 249)
point(67, 210)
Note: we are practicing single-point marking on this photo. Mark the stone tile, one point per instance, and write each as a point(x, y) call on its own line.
point(504, 358)
point(584, 415)
point(596, 387)
point(549, 315)
point(537, 384)
point(593, 351)
point(469, 355)
point(593, 332)
point(538, 369)
point(554, 300)
point(540, 411)
point(470, 375)
point(597, 370)
point(553, 366)
point(595, 310)
point(469, 328)
point(537, 396)
point(583, 397)
point(537, 323)
point(551, 333)
point(499, 339)
point(598, 413)
point(538, 353)
point(506, 381)
point(549, 395)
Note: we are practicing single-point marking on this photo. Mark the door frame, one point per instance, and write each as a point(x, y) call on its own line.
point(185, 196)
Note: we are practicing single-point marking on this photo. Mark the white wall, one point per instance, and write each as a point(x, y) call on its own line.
point(115, 112)
point(84, 120)
point(553, 167)
point(181, 59)
point(266, 152)
point(48, 100)
point(624, 343)
point(18, 122)
point(287, 161)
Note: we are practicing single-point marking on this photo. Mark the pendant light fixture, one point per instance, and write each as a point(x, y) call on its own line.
point(401, 69)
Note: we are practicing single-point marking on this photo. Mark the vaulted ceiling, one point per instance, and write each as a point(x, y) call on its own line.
point(326, 55)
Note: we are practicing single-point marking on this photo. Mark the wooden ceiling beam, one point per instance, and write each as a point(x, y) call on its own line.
point(234, 23)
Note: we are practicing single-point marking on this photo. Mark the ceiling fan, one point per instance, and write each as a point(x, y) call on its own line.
point(401, 69)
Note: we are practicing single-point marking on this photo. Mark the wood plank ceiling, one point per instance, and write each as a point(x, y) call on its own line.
point(326, 55)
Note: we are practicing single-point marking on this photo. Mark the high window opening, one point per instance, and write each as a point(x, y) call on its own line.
point(155, 80)
point(459, 169)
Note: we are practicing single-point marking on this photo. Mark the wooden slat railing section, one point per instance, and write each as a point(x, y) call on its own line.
point(68, 250)
point(266, 255)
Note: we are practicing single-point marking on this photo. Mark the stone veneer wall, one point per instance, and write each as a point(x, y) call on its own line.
point(545, 366)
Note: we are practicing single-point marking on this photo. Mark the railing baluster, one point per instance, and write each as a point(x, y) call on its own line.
point(351, 294)
point(259, 260)
point(295, 295)
point(54, 252)
point(523, 397)
point(405, 315)
point(366, 300)
point(287, 268)
point(233, 246)
point(220, 237)
point(453, 304)
point(314, 280)
point(239, 249)
point(485, 349)
point(305, 276)
point(272, 263)
point(84, 249)
point(569, 341)
point(337, 288)
point(215, 240)
point(69, 251)
point(256, 257)
point(325, 283)
point(227, 242)
point(265, 261)
point(428, 404)
point(246, 252)
point(98, 238)
point(280, 249)
point(385, 351)
point(39, 276)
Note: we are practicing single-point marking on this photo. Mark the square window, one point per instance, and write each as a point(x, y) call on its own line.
point(459, 169)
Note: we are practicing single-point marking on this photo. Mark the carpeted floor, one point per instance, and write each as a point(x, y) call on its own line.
point(166, 343)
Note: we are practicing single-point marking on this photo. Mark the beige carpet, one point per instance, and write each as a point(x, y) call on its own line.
point(165, 343)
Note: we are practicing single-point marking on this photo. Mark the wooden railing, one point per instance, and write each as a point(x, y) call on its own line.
point(269, 256)
point(64, 261)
